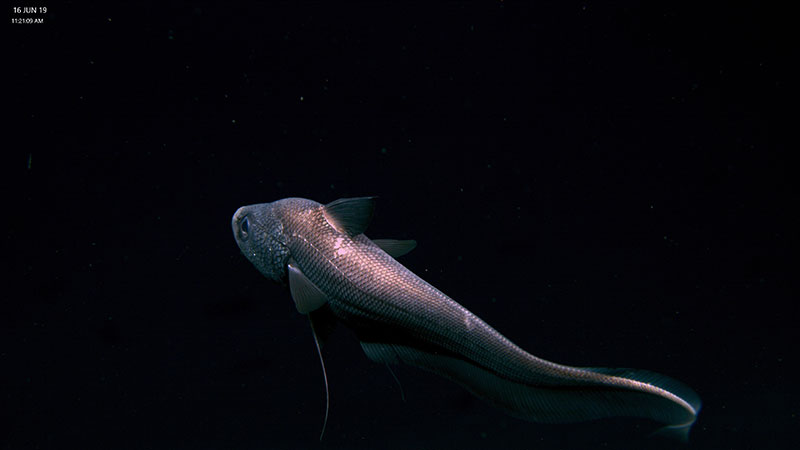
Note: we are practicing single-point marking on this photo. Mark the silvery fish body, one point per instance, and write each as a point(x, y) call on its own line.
point(399, 317)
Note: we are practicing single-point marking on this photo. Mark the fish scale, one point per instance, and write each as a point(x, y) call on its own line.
point(399, 317)
point(396, 297)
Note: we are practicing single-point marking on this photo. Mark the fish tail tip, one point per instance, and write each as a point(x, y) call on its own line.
point(678, 433)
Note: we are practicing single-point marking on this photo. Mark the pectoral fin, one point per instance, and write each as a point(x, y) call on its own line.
point(306, 295)
point(309, 299)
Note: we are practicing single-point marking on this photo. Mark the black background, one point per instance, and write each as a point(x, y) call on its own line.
point(607, 185)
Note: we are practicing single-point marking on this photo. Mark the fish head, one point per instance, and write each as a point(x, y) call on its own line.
point(259, 233)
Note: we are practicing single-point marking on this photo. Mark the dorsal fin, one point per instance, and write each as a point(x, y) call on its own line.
point(350, 215)
point(395, 248)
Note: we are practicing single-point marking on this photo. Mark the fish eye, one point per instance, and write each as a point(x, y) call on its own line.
point(244, 226)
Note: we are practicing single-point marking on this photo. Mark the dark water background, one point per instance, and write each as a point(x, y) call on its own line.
point(608, 185)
